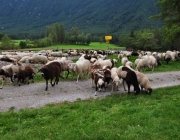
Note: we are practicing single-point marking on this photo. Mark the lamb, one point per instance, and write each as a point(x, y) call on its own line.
point(143, 82)
point(131, 79)
point(27, 72)
point(80, 67)
point(115, 79)
point(51, 71)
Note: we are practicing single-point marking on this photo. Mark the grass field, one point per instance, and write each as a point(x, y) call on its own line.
point(142, 117)
point(116, 117)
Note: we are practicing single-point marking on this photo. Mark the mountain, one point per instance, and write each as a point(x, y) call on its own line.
point(89, 16)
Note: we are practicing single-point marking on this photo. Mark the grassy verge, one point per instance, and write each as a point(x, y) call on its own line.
point(118, 116)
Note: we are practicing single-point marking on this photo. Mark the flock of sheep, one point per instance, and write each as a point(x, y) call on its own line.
point(94, 64)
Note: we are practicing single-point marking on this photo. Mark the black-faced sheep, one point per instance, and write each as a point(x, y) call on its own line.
point(51, 71)
point(131, 79)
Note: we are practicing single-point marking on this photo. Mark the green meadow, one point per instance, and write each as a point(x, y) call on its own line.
point(115, 117)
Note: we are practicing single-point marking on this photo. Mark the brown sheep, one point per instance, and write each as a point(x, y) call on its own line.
point(27, 72)
point(51, 71)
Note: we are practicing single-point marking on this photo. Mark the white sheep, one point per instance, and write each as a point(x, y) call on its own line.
point(38, 59)
point(142, 64)
point(129, 63)
point(136, 62)
point(25, 59)
point(124, 60)
point(56, 54)
point(152, 62)
point(107, 62)
point(144, 82)
point(80, 67)
point(115, 79)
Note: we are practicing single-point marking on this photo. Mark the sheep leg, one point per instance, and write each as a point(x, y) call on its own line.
point(128, 87)
point(2, 83)
point(46, 85)
point(52, 84)
point(77, 78)
point(112, 90)
point(124, 85)
point(67, 74)
point(57, 80)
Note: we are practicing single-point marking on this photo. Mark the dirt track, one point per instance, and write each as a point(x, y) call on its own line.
point(34, 95)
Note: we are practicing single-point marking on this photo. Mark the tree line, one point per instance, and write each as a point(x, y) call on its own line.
point(167, 37)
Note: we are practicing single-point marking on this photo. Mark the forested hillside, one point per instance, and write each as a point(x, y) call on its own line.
point(89, 16)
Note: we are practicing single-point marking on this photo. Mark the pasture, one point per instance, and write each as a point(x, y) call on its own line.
point(116, 116)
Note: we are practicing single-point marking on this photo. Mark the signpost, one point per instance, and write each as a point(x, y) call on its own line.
point(108, 38)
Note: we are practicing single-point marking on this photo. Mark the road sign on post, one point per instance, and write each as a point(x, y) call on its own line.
point(108, 38)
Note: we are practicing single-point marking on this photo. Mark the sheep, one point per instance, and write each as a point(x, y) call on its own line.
point(173, 56)
point(51, 71)
point(10, 69)
point(124, 60)
point(129, 63)
point(64, 65)
point(143, 82)
point(107, 62)
point(97, 76)
point(131, 79)
point(167, 58)
point(38, 59)
point(27, 72)
point(107, 75)
point(136, 62)
point(80, 67)
point(16, 57)
point(56, 54)
point(152, 62)
point(115, 79)
point(120, 56)
point(143, 63)
point(25, 59)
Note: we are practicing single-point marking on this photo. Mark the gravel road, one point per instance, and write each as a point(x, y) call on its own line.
point(34, 94)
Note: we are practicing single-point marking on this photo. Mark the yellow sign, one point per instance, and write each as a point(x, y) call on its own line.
point(108, 38)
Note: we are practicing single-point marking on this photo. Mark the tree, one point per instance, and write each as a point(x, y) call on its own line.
point(6, 42)
point(170, 14)
point(56, 32)
point(22, 44)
